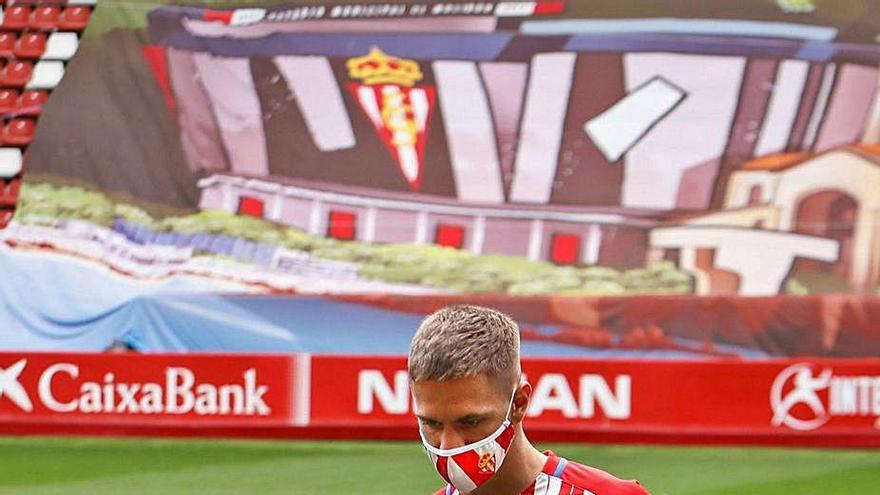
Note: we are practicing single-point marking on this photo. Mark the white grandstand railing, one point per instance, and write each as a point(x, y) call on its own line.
point(269, 187)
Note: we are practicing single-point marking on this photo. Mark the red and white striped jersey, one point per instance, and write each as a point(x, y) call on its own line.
point(563, 477)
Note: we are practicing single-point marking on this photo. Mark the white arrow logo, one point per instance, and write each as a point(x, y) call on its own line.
point(11, 387)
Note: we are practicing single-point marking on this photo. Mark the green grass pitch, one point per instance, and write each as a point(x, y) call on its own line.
point(41, 465)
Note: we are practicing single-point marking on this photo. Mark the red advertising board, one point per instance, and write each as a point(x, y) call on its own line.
point(811, 402)
point(781, 402)
point(162, 390)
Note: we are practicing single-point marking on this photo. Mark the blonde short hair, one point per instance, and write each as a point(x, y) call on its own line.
point(462, 341)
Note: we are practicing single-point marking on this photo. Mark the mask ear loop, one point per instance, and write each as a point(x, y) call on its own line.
point(507, 417)
point(519, 383)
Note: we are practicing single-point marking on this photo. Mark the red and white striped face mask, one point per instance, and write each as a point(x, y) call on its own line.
point(471, 465)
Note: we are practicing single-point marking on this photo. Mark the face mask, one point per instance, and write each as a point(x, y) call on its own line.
point(469, 466)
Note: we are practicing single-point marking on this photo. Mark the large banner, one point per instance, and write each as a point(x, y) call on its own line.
point(677, 201)
point(518, 148)
point(636, 170)
point(781, 402)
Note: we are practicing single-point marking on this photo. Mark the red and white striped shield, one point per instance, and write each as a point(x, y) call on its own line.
point(400, 116)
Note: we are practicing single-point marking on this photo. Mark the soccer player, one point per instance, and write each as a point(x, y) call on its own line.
point(470, 400)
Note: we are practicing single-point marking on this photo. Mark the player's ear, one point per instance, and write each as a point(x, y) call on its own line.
point(521, 399)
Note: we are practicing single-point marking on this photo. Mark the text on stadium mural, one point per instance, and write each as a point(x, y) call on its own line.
point(396, 10)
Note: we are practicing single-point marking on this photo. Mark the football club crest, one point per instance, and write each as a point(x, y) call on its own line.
point(398, 108)
point(487, 463)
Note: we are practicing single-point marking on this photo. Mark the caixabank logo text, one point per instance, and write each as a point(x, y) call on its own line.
point(176, 390)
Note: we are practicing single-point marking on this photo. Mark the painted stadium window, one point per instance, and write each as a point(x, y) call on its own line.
point(565, 249)
point(449, 236)
point(251, 206)
point(342, 225)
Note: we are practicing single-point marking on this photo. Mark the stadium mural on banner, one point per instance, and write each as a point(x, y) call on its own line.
point(438, 149)
point(513, 147)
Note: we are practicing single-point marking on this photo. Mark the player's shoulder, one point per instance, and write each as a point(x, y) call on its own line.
point(597, 481)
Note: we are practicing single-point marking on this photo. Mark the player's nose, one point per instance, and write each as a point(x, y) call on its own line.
point(450, 439)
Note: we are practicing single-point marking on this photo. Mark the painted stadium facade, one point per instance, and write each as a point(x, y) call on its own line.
point(457, 132)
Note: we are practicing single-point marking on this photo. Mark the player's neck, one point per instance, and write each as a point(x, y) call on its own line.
point(521, 466)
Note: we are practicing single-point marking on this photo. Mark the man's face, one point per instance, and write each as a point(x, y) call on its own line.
point(461, 411)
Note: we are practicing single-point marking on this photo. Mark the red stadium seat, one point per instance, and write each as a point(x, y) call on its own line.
point(19, 132)
point(7, 44)
point(9, 192)
point(5, 217)
point(8, 100)
point(45, 17)
point(74, 18)
point(31, 102)
point(16, 74)
point(31, 45)
point(13, 188)
point(16, 17)
point(5, 200)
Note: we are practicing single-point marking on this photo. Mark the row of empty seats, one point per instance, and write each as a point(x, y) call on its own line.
point(37, 37)
point(44, 74)
point(14, 103)
point(38, 3)
point(46, 17)
point(36, 44)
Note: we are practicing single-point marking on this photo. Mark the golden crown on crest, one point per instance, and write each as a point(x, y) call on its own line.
point(379, 68)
